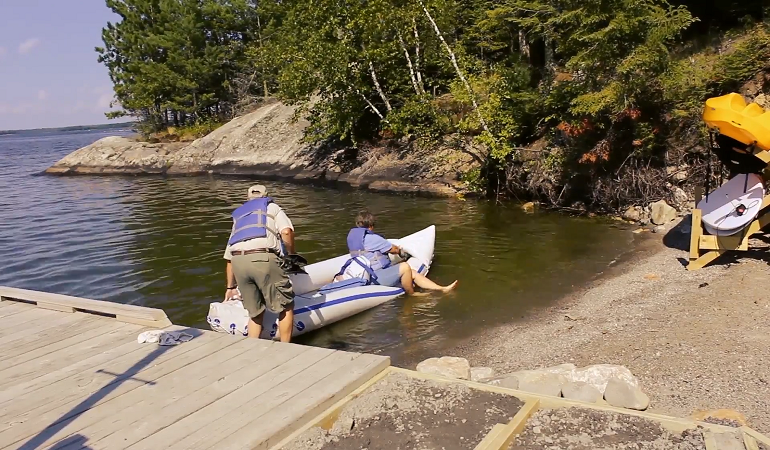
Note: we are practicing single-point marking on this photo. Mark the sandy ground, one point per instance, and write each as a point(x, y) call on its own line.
point(696, 340)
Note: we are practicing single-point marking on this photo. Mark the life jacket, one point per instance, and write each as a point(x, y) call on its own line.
point(251, 221)
point(378, 260)
point(358, 252)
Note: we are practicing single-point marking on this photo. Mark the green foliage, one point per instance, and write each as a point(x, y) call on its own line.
point(171, 61)
point(602, 82)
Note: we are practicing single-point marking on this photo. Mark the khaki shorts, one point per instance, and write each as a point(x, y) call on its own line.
point(262, 283)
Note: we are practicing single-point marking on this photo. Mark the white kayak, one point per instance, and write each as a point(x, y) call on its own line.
point(314, 309)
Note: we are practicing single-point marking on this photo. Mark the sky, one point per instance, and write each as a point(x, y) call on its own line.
point(49, 73)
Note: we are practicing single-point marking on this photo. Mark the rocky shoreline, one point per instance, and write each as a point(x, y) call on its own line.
point(269, 143)
point(697, 342)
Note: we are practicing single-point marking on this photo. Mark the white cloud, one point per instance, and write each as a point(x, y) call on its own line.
point(28, 45)
point(42, 95)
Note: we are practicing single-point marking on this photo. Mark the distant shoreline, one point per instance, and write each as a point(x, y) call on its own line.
point(104, 126)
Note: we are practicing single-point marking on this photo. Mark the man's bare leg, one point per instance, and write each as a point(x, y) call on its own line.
point(286, 323)
point(425, 283)
point(255, 325)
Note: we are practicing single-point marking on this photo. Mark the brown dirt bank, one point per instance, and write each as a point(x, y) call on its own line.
point(269, 143)
point(696, 340)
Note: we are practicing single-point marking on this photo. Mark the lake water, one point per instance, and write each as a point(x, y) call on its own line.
point(158, 242)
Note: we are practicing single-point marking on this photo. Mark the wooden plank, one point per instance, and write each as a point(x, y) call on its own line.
point(698, 194)
point(12, 308)
point(326, 419)
point(230, 427)
point(145, 401)
point(54, 356)
point(704, 260)
point(295, 412)
point(59, 402)
point(197, 425)
point(756, 435)
point(488, 442)
point(45, 326)
point(138, 312)
point(749, 442)
point(162, 323)
point(251, 365)
point(83, 325)
point(708, 437)
point(696, 230)
point(515, 426)
point(20, 321)
point(126, 369)
point(127, 350)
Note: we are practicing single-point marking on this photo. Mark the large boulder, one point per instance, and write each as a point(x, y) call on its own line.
point(482, 373)
point(581, 391)
point(624, 395)
point(598, 375)
point(661, 213)
point(446, 366)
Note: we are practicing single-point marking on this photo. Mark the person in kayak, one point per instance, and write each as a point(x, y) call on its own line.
point(364, 242)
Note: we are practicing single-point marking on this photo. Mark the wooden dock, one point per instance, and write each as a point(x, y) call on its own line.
point(73, 376)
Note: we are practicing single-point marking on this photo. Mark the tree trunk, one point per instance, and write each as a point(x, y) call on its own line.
point(379, 88)
point(264, 75)
point(523, 45)
point(417, 55)
point(409, 63)
point(453, 59)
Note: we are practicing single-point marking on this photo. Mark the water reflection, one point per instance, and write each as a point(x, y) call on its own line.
point(159, 242)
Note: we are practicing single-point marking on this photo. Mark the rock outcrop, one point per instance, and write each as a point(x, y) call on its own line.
point(269, 142)
point(446, 366)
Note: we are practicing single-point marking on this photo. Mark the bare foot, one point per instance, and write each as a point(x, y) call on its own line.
point(450, 287)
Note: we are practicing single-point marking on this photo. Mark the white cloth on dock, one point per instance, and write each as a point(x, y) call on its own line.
point(163, 337)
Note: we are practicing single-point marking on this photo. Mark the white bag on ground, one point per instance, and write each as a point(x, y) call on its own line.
point(228, 317)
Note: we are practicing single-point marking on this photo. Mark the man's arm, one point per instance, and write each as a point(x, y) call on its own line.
point(287, 236)
point(229, 275)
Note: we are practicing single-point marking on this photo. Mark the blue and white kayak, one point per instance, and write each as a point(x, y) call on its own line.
point(317, 303)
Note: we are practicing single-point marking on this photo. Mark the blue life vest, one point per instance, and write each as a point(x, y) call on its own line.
point(356, 236)
point(251, 221)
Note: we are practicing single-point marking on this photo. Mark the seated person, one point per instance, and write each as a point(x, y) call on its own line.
point(363, 242)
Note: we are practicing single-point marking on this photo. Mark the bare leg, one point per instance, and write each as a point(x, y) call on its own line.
point(425, 283)
point(286, 323)
point(406, 278)
point(255, 325)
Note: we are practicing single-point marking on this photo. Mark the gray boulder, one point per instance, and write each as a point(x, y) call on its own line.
point(623, 395)
point(446, 366)
point(661, 213)
point(581, 391)
point(481, 373)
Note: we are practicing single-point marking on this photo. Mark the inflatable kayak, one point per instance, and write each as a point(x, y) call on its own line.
point(319, 301)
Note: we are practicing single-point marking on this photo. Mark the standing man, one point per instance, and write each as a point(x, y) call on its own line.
point(253, 261)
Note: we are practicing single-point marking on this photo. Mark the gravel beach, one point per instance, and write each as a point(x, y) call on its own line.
point(696, 340)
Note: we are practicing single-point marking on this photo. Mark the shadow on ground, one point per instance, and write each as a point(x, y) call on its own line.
point(41, 439)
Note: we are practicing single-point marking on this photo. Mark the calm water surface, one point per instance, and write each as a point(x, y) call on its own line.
point(158, 242)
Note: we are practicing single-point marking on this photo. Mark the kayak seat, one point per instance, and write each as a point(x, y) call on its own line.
point(732, 117)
